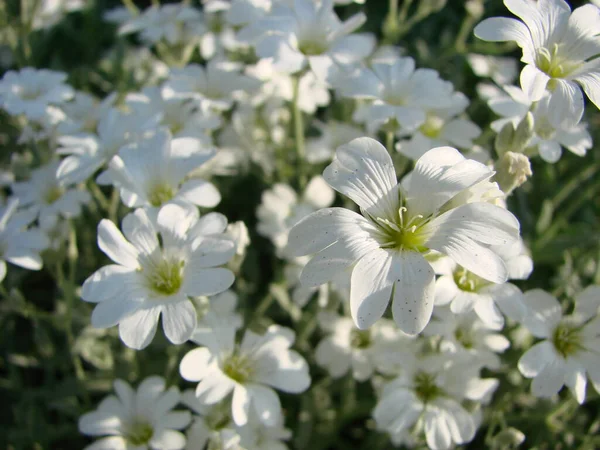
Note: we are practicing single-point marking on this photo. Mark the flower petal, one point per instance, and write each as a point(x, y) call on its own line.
point(179, 321)
point(114, 245)
point(138, 329)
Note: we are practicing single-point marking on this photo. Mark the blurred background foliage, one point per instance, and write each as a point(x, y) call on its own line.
point(54, 366)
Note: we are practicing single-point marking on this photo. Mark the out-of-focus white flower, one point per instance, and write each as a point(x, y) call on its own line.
point(152, 172)
point(211, 424)
point(30, 91)
point(179, 115)
point(570, 346)
point(281, 209)
point(153, 277)
point(399, 224)
point(333, 134)
point(256, 436)
point(46, 198)
point(363, 352)
point(84, 112)
point(238, 233)
point(465, 291)
point(441, 127)
point(216, 311)
point(399, 94)
point(86, 153)
point(467, 337)
point(141, 419)
point(313, 91)
point(310, 34)
point(429, 395)
point(249, 371)
point(547, 139)
point(500, 69)
point(173, 23)
point(117, 15)
point(19, 245)
point(559, 48)
point(213, 86)
point(49, 12)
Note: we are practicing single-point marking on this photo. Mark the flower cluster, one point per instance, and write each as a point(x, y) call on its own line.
point(323, 225)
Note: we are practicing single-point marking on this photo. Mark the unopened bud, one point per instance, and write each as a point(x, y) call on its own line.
point(509, 438)
point(523, 133)
point(474, 8)
point(504, 139)
point(72, 251)
point(512, 170)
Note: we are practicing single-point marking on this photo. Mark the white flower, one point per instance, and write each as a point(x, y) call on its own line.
point(249, 371)
point(466, 336)
point(84, 112)
point(333, 134)
point(429, 395)
point(237, 232)
point(152, 172)
point(310, 33)
point(570, 346)
point(46, 198)
point(502, 70)
point(559, 48)
point(182, 117)
point(30, 91)
point(216, 311)
point(464, 291)
point(155, 277)
point(385, 245)
point(86, 153)
point(172, 23)
point(399, 93)
point(50, 12)
point(213, 86)
point(281, 209)
point(363, 352)
point(547, 139)
point(441, 127)
point(19, 245)
point(141, 419)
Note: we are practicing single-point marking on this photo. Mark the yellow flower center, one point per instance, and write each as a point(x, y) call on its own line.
point(567, 339)
point(464, 337)
point(467, 281)
point(360, 339)
point(425, 387)
point(161, 194)
point(238, 367)
point(166, 277)
point(139, 433)
point(553, 64)
point(400, 234)
point(312, 47)
point(53, 194)
point(432, 127)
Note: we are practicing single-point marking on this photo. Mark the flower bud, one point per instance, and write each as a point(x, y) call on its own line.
point(512, 171)
point(509, 438)
point(523, 133)
point(504, 139)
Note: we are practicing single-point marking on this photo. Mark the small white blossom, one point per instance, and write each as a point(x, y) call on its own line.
point(153, 277)
point(249, 371)
point(142, 419)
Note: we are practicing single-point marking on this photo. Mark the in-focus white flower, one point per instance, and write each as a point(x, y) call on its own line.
point(547, 139)
point(560, 49)
point(152, 172)
point(250, 371)
point(467, 338)
point(363, 352)
point(442, 126)
point(308, 33)
point(400, 94)
point(19, 245)
point(281, 209)
point(385, 246)
point(429, 395)
point(500, 69)
point(213, 86)
point(86, 153)
point(139, 419)
point(30, 91)
point(570, 346)
point(46, 198)
point(153, 277)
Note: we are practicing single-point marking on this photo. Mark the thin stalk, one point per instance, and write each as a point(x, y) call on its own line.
point(299, 134)
point(133, 10)
point(389, 142)
point(113, 208)
point(403, 11)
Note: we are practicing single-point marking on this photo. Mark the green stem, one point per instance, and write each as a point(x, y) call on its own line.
point(389, 142)
point(403, 11)
point(113, 207)
point(134, 11)
point(572, 185)
point(460, 44)
point(98, 195)
point(299, 134)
